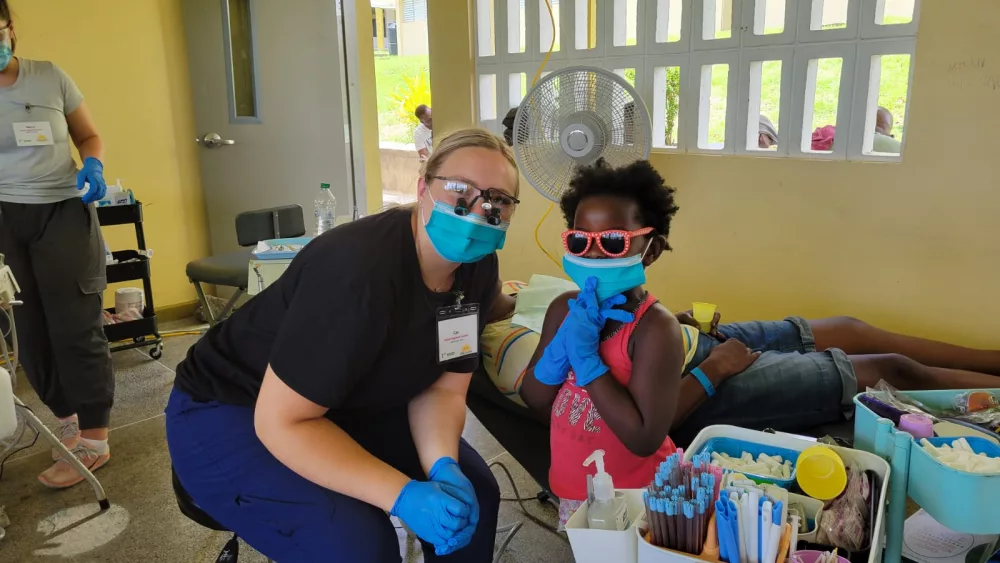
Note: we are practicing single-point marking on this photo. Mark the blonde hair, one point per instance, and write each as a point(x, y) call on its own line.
point(468, 138)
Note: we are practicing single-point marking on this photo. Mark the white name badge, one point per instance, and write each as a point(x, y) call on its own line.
point(33, 134)
point(458, 332)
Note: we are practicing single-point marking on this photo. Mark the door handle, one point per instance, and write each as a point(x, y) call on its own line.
point(213, 140)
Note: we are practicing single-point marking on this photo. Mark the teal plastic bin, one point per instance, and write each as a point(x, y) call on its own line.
point(962, 501)
point(735, 448)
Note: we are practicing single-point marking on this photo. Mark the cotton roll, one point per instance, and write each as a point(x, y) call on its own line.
point(128, 298)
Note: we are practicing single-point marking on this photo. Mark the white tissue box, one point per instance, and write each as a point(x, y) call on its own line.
point(113, 199)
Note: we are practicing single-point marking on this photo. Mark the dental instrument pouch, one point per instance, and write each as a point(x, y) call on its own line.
point(891, 396)
point(856, 550)
point(844, 521)
point(974, 401)
point(975, 408)
point(987, 420)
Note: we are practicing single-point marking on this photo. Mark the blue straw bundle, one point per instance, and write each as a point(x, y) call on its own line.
point(680, 501)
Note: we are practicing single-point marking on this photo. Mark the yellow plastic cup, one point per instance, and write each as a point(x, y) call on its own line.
point(821, 473)
point(704, 313)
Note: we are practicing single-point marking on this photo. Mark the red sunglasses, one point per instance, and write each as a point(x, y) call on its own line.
point(613, 243)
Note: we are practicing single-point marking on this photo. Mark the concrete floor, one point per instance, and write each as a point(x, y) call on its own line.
point(144, 523)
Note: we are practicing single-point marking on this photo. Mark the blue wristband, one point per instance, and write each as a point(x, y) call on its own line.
point(703, 379)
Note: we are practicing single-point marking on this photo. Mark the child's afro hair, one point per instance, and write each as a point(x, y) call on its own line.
point(638, 181)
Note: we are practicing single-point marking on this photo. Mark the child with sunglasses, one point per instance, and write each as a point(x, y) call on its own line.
point(615, 370)
point(609, 364)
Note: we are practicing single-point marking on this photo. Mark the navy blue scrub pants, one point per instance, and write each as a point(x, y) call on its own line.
point(235, 479)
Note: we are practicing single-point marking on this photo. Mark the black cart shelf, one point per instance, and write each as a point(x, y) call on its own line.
point(142, 332)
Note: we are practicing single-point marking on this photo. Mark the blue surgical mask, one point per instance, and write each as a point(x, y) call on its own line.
point(463, 239)
point(5, 55)
point(614, 275)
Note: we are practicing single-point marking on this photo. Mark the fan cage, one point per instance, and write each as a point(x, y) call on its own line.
point(605, 104)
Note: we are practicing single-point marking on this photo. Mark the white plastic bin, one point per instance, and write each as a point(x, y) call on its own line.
point(603, 546)
point(8, 417)
point(864, 459)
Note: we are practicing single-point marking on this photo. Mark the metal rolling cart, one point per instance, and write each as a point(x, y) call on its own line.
point(132, 265)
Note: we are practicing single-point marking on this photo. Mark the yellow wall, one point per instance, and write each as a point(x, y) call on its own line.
point(907, 246)
point(412, 37)
point(369, 107)
point(129, 59)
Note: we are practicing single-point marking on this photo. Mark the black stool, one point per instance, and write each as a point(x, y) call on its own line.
point(231, 552)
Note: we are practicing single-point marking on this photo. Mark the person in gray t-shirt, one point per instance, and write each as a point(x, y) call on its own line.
point(51, 239)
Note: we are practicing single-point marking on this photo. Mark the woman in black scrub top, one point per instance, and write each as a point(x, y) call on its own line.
point(336, 397)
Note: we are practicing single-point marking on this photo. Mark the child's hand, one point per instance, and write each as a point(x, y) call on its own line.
point(599, 313)
point(728, 359)
point(586, 319)
point(687, 318)
point(581, 331)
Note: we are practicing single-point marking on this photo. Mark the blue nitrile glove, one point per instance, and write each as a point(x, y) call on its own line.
point(432, 510)
point(446, 470)
point(93, 174)
point(584, 340)
point(553, 366)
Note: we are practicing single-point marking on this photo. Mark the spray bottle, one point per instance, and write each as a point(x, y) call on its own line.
point(607, 511)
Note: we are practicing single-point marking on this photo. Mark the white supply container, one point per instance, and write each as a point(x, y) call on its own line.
point(8, 417)
point(128, 298)
point(116, 195)
point(863, 459)
point(603, 546)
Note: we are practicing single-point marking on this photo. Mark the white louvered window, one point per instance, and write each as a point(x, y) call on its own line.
point(414, 11)
point(825, 79)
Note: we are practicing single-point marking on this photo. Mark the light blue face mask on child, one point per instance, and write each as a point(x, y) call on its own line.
point(614, 275)
point(463, 239)
point(5, 55)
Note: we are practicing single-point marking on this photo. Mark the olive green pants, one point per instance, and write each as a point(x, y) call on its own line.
point(56, 253)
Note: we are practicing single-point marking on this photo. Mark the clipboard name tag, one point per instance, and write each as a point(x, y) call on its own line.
point(457, 332)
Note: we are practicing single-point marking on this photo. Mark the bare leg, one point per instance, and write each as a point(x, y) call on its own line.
point(906, 374)
point(859, 338)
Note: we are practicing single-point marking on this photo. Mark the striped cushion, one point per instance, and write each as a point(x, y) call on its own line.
point(506, 351)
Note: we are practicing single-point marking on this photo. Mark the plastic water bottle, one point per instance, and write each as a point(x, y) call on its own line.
point(325, 208)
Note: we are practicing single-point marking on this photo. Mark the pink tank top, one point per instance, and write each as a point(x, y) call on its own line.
point(577, 429)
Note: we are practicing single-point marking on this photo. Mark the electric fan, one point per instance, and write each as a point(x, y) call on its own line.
point(573, 117)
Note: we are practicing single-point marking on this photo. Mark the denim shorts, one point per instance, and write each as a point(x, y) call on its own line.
point(790, 387)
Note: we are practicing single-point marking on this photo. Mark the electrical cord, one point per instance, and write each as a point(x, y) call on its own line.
point(520, 501)
point(10, 358)
point(538, 74)
point(10, 326)
point(173, 333)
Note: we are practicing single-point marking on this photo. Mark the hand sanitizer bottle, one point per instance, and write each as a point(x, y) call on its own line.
point(607, 511)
